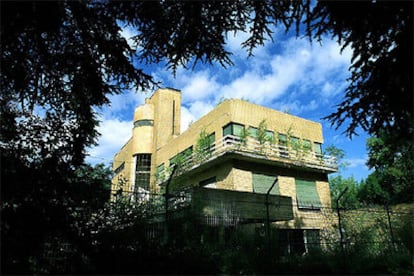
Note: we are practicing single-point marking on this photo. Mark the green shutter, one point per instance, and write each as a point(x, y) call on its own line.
point(307, 195)
point(262, 183)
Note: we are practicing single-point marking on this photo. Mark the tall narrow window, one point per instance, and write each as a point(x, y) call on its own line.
point(295, 143)
point(270, 136)
point(312, 239)
point(173, 118)
point(211, 140)
point(142, 172)
point(254, 132)
point(160, 173)
point(317, 147)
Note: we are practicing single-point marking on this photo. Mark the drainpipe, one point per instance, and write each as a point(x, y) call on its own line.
point(267, 212)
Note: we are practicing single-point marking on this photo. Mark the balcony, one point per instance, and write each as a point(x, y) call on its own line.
point(223, 207)
point(251, 150)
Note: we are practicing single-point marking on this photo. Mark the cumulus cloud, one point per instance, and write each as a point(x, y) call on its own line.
point(356, 162)
point(187, 118)
point(114, 134)
point(198, 86)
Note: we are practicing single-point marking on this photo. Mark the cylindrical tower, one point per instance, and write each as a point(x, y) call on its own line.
point(143, 131)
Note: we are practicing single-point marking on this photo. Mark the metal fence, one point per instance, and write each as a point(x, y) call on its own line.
point(373, 227)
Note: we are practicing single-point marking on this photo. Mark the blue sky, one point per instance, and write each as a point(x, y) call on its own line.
point(288, 74)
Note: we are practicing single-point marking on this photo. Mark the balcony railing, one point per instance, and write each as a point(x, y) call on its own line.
point(252, 148)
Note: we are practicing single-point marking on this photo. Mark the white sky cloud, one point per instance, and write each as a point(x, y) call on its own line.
point(186, 118)
point(114, 134)
point(356, 162)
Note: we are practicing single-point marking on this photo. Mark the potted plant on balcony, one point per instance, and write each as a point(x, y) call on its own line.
point(203, 149)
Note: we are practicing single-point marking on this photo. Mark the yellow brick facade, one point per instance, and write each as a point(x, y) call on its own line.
point(156, 132)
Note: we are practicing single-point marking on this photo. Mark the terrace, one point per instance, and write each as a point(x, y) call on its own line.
point(231, 146)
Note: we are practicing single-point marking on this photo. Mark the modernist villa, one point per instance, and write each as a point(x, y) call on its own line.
point(245, 156)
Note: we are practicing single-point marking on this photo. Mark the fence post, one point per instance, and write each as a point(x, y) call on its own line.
point(341, 234)
point(390, 225)
point(268, 213)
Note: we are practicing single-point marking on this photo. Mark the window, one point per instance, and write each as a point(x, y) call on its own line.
point(307, 145)
point(254, 132)
point(142, 171)
point(182, 158)
point(291, 241)
point(119, 168)
point(282, 140)
point(306, 195)
point(144, 122)
point(294, 143)
point(298, 241)
point(312, 239)
point(233, 129)
point(211, 140)
point(317, 147)
point(263, 182)
point(160, 173)
point(270, 136)
point(209, 183)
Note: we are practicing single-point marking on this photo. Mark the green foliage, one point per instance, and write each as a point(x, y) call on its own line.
point(55, 71)
point(262, 136)
point(39, 207)
point(203, 146)
point(339, 154)
point(371, 192)
point(350, 199)
point(393, 160)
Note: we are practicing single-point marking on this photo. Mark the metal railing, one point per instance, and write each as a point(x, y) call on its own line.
point(252, 148)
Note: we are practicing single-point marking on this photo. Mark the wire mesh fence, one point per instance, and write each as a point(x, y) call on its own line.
point(324, 227)
point(134, 228)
